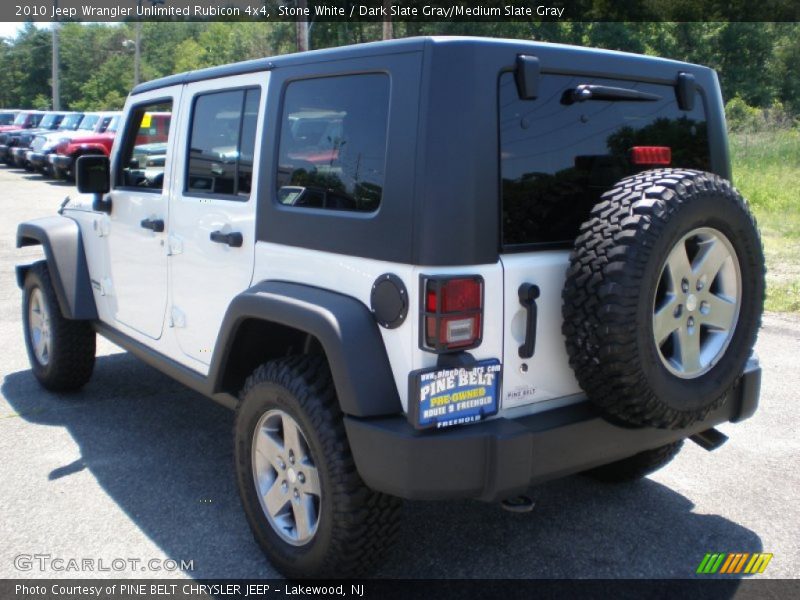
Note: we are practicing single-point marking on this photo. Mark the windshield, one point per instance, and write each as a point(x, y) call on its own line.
point(88, 123)
point(112, 126)
point(71, 122)
point(49, 121)
point(6, 118)
point(21, 118)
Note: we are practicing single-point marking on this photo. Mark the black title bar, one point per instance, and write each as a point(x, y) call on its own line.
point(399, 10)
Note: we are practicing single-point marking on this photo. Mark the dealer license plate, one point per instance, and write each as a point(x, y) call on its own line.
point(446, 397)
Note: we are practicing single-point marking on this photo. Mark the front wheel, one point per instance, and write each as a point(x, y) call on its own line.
point(307, 506)
point(61, 351)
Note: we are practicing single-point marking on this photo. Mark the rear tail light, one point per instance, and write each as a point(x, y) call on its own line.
point(651, 155)
point(451, 313)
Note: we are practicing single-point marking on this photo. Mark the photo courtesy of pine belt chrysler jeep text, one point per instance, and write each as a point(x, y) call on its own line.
point(430, 268)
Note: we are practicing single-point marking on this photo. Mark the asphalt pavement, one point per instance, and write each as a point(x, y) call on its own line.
point(136, 467)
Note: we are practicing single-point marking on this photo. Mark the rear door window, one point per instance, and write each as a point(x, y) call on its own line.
point(332, 151)
point(557, 158)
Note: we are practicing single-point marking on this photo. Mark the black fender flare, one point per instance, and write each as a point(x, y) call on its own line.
point(63, 249)
point(345, 328)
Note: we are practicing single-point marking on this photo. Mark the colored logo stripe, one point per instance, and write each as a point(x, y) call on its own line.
point(732, 563)
point(758, 563)
point(710, 563)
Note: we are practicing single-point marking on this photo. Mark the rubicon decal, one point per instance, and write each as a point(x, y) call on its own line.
point(733, 563)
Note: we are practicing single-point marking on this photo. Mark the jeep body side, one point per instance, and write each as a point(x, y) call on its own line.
point(370, 207)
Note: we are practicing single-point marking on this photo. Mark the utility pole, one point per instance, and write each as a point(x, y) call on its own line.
point(388, 29)
point(137, 55)
point(55, 74)
point(302, 28)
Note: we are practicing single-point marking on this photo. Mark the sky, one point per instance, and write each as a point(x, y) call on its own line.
point(10, 29)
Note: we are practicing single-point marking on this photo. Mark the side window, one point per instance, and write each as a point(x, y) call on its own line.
point(144, 150)
point(222, 143)
point(332, 151)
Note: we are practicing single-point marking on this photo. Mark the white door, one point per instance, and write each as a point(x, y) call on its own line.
point(140, 175)
point(212, 215)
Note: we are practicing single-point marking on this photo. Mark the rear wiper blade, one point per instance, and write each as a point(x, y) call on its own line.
point(585, 92)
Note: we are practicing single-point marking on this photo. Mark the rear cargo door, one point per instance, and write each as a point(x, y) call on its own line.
point(558, 153)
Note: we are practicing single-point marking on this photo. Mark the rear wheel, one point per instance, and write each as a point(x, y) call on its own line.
point(61, 351)
point(307, 506)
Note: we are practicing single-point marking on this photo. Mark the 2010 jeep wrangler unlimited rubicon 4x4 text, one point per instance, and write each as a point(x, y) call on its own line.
point(430, 268)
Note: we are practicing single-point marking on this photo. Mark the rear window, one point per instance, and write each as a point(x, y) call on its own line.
point(557, 159)
point(333, 143)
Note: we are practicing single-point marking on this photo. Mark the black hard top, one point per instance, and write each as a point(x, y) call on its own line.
point(635, 62)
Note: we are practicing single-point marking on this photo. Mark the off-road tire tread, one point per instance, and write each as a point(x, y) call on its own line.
point(74, 342)
point(603, 285)
point(366, 522)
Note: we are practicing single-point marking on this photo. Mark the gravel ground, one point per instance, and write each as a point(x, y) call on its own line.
point(136, 466)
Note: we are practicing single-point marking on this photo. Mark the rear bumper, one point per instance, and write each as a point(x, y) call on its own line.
point(500, 457)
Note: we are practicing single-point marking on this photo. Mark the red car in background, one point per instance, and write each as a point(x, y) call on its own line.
point(26, 119)
point(154, 128)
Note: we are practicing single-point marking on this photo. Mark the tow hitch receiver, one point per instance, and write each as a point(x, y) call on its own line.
point(710, 439)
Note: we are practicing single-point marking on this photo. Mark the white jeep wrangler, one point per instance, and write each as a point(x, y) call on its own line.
point(428, 268)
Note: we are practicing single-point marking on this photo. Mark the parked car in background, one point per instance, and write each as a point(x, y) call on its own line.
point(7, 117)
point(25, 119)
point(18, 141)
point(67, 152)
point(45, 144)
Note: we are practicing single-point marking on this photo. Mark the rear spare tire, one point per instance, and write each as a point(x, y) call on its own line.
point(663, 297)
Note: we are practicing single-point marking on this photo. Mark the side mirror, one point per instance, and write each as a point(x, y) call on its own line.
point(92, 175)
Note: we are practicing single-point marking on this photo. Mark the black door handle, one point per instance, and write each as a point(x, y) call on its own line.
point(233, 239)
point(156, 225)
point(528, 293)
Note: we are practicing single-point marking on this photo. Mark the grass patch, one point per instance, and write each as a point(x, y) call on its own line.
point(766, 169)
